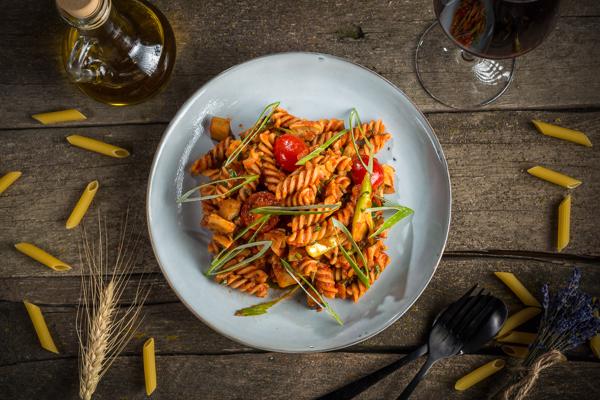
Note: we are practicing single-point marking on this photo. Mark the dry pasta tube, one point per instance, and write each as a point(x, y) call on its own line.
point(479, 374)
point(518, 338)
point(8, 179)
point(518, 319)
point(149, 366)
point(57, 117)
point(41, 329)
point(41, 256)
point(515, 351)
point(564, 224)
point(595, 345)
point(554, 177)
point(562, 133)
point(82, 204)
point(518, 289)
point(97, 146)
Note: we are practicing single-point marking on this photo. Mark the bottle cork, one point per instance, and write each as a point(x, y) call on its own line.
point(79, 9)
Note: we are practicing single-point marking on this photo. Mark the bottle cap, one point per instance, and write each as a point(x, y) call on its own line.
point(79, 9)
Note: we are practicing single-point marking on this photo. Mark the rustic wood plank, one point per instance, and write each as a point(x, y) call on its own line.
point(496, 205)
point(276, 376)
point(213, 36)
point(177, 331)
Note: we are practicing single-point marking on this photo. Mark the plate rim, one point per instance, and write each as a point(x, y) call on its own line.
point(184, 108)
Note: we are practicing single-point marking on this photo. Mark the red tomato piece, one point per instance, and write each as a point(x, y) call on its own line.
point(358, 171)
point(259, 199)
point(288, 150)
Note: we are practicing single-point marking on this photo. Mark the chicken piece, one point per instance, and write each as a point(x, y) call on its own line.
point(282, 277)
point(216, 223)
point(229, 209)
point(219, 128)
point(224, 240)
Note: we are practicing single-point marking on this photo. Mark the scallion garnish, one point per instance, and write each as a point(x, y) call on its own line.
point(345, 231)
point(185, 198)
point(351, 118)
point(262, 308)
point(297, 210)
point(361, 275)
point(262, 220)
point(401, 213)
point(321, 302)
point(219, 262)
point(321, 148)
point(258, 126)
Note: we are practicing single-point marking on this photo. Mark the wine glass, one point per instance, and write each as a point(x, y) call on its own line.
point(466, 59)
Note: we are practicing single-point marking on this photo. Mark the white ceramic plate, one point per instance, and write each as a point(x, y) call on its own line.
point(311, 86)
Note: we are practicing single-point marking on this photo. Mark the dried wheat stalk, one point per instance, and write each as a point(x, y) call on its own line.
point(103, 328)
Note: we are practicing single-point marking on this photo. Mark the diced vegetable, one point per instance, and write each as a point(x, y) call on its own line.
point(229, 209)
point(362, 220)
point(216, 223)
point(224, 240)
point(282, 277)
point(219, 128)
point(321, 247)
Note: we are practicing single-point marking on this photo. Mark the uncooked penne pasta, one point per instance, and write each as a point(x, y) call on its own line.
point(479, 374)
point(41, 329)
point(518, 338)
point(97, 146)
point(57, 117)
point(518, 289)
point(82, 204)
point(149, 366)
point(554, 177)
point(564, 224)
point(515, 351)
point(8, 179)
point(595, 345)
point(518, 319)
point(562, 133)
point(41, 256)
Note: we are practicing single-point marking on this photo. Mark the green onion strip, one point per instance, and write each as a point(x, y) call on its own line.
point(321, 148)
point(321, 302)
point(260, 122)
point(185, 198)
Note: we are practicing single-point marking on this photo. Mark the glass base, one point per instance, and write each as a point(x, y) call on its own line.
point(456, 78)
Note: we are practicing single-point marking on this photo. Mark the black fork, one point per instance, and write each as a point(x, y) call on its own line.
point(449, 335)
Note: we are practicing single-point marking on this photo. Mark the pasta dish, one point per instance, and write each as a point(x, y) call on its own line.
point(297, 204)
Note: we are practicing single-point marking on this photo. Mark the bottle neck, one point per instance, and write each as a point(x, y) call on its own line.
point(93, 21)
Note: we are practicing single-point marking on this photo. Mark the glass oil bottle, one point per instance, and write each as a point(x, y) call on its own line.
point(118, 52)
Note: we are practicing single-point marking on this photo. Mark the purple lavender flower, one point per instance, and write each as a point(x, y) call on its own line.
point(570, 318)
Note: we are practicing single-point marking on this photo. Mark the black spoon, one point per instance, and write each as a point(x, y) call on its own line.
point(489, 328)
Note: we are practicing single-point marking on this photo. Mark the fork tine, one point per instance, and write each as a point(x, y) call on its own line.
point(463, 311)
point(475, 313)
point(475, 323)
point(449, 314)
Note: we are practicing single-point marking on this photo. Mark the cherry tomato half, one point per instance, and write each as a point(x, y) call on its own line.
point(358, 171)
point(288, 150)
point(259, 199)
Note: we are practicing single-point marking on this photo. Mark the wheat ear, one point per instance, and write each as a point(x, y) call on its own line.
point(104, 329)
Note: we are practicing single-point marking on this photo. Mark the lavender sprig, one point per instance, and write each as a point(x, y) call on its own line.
point(569, 319)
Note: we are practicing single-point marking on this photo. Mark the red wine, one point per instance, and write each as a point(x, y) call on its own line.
point(497, 28)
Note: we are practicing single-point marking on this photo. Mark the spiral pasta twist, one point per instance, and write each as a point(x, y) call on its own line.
point(214, 157)
point(325, 179)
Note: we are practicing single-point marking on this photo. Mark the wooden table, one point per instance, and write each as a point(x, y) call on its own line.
point(502, 219)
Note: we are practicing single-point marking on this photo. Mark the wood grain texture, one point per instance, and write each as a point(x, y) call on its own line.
point(503, 219)
point(213, 36)
point(177, 331)
point(277, 376)
point(496, 204)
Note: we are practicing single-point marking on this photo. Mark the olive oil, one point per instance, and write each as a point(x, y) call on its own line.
point(120, 53)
